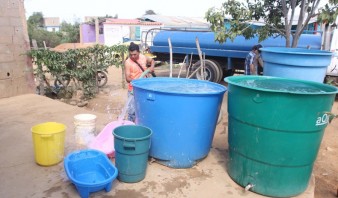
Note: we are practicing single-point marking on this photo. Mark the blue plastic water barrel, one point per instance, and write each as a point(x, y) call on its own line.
point(182, 113)
point(296, 63)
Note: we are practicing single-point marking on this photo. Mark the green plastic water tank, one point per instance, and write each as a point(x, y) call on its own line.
point(275, 130)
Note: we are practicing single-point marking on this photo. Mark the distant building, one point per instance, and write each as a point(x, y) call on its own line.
point(123, 30)
point(178, 22)
point(114, 31)
point(52, 24)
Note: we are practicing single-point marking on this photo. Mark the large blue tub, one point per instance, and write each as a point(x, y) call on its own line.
point(296, 63)
point(182, 114)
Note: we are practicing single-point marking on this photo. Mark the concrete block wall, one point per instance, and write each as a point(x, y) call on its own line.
point(16, 71)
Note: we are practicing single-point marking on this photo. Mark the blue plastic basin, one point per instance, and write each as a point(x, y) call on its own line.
point(182, 113)
point(90, 171)
point(296, 63)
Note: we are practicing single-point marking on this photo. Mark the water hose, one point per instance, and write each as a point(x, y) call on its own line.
point(142, 75)
point(145, 73)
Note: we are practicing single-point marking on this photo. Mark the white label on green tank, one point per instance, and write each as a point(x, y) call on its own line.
point(322, 120)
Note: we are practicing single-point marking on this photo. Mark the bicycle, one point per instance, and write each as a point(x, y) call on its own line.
point(65, 79)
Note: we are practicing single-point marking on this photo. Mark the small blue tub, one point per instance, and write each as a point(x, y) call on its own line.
point(182, 113)
point(90, 171)
point(296, 63)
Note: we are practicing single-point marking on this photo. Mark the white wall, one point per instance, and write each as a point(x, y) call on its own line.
point(150, 36)
point(114, 33)
point(53, 29)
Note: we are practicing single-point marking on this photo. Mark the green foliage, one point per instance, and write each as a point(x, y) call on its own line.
point(35, 25)
point(329, 13)
point(51, 39)
point(78, 64)
point(102, 19)
point(275, 17)
point(69, 33)
point(36, 19)
point(150, 12)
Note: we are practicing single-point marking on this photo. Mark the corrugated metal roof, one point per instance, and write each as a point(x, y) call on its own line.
point(177, 21)
point(130, 22)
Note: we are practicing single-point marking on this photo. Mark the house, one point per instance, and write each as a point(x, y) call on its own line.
point(123, 30)
point(114, 31)
point(52, 24)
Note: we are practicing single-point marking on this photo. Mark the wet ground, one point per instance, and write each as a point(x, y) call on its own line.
point(22, 177)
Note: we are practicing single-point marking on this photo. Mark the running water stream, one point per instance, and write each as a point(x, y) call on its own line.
point(124, 110)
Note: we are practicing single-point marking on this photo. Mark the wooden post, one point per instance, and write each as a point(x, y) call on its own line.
point(97, 30)
point(201, 58)
point(81, 36)
point(171, 58)
point(123, 72)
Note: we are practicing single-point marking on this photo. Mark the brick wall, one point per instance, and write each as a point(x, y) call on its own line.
point(16, 73)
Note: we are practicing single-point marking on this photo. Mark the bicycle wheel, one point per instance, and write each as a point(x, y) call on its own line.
point(102, 78)
point(64, 81)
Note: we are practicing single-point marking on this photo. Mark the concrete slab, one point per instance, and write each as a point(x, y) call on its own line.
point(22, 177)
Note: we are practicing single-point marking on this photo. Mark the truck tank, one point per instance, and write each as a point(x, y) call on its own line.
point(221, 59)
point(183, 42)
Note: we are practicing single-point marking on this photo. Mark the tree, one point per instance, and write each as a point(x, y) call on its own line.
point(150, 12)
point(329, 13)
point(276, 17)
point(36, 19)
point(35, 25)
point(70, 32)
point(102, 19)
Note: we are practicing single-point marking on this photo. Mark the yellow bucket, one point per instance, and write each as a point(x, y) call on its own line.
point(48, 139)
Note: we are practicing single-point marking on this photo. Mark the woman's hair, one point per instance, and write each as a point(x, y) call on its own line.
point(133, 47)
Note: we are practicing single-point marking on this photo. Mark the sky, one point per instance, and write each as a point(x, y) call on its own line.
point(75, 10)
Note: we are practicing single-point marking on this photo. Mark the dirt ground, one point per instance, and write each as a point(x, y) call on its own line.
point(112, 98)
point(22, 177)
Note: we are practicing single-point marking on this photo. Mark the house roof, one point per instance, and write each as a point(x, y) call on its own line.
point(51, 21)
point(130, 22)
point(177, 21)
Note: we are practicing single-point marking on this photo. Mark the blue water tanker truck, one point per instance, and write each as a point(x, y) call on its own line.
point(220, 59)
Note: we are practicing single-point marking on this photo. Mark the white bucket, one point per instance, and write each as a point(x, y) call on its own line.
point(85, 128)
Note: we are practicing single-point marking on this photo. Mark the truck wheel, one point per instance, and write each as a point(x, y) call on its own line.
point(219, 71)
point(211, 71)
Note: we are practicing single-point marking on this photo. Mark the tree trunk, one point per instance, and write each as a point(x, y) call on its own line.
point(123, 72)
point(295, 39)
point(287, 40)
point(326, 36)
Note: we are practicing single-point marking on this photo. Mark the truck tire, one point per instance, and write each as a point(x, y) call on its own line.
point(219, 71)
point(211, 71)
